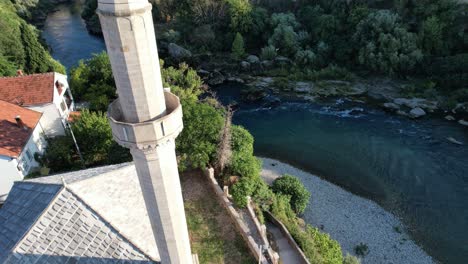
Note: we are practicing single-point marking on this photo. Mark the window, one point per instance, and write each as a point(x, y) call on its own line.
point(29, 155)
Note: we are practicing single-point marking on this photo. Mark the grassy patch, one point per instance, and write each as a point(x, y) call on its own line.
point(212, 235)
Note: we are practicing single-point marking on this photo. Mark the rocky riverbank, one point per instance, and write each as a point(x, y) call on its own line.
point(352, 220)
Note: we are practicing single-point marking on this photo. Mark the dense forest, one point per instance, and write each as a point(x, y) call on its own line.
point(423, 39)
point(21, 46)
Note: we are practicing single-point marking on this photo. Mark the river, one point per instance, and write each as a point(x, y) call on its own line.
point(407, 166)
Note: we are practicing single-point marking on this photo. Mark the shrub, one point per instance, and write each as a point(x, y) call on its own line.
point(239, 191)
point(238, 50)
point(171, 35)
point(361, 249)
point(243, 162)
point(240, 12)
point(199, 139)
point(268, 53)
point(350, 259)
point(305, 57)
point(292, 186)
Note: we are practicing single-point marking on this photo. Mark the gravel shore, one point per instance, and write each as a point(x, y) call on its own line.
point(352, 220)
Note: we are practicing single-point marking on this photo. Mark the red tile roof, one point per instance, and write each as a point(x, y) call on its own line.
point(12, 137)
point(34, 89)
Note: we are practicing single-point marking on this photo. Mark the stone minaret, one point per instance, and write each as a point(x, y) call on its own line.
point(147, 120)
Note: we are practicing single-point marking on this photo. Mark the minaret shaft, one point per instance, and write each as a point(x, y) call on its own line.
point(147, 120)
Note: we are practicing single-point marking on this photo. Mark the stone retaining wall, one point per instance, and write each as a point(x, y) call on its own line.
point(288, 236)
point(239, 223)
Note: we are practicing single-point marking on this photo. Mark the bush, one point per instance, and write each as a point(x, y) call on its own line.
point(183, 81)
point(385, 45)
point(305, 57)
point(361, 250)
point(239, 191)
point(238, 50)
point(243, 162)
point(198, 142)
point(350, 259)
point(292, 186)
point(60, 154)
point(268, 53)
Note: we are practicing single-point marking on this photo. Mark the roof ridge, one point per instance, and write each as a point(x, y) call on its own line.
point(110, 224)
point(27, 75)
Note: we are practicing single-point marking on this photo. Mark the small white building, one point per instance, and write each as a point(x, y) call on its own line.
point(21, 136)
point(32, 108)
point(47, 93)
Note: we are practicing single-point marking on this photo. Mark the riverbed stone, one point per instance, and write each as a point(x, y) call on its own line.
point(391, 106)
point(417, 103)
point(177, 52)
point(245, 66)
point(449, 118)
point(252, 59)
point(303, 87)
point(216, 78)
point(267, 64)
point(282, 61)
point(463, 122)
point(417, 112)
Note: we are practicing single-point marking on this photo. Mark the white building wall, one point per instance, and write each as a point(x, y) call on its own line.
point(51, 120)
point(14, 169)
point(10, 174)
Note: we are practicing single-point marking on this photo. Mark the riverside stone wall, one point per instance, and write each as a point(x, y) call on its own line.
point(254, 247)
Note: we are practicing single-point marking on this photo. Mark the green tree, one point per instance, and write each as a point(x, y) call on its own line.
point(385, 45)
point(238, 50)
point(94, 136)
point(240, 13)
point(197, 144)
point(431, 36)
point(92, 80)
point(292, 186)
point(243, 161)
point(6, 68)
point(183, 81)
point(60, 154)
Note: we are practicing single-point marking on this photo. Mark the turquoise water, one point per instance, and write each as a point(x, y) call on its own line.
point(408, 167)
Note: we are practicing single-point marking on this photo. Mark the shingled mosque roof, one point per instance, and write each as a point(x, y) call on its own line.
point(90, 216)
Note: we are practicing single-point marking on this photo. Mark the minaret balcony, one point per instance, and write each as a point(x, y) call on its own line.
point(150, 133)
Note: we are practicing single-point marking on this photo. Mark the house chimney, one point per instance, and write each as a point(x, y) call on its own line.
point(20, 122)
point(19, 73)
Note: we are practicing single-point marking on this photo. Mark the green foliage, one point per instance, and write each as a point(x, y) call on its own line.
point(92, 80)
point(284, 36)
point(386, 46)
point(243, 188)
point(6, 68)
point(305, 58)
point(431, 36)
point(198, 142)
point(90, 16)
point(60, 154)
point(350, 259)
point(361, 249)
point(292, 186)
point(243, 162)
point(268, 53)
point(240, 13)
point(238, 50)
point(94, 136)
point(184, 81)
point(317, 246)
point(20, 47)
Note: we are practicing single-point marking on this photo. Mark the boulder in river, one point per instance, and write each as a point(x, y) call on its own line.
point(449, 118)
point(417, 112)
point(417, 103)
point(245, 66)
point(177, 52)
point(252, 59)
point(463, 122)
point(454, 141)
point(391, 106)
point(216, 78)
point(303, 87)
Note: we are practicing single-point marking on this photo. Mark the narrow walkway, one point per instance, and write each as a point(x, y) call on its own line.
point(285, 250)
